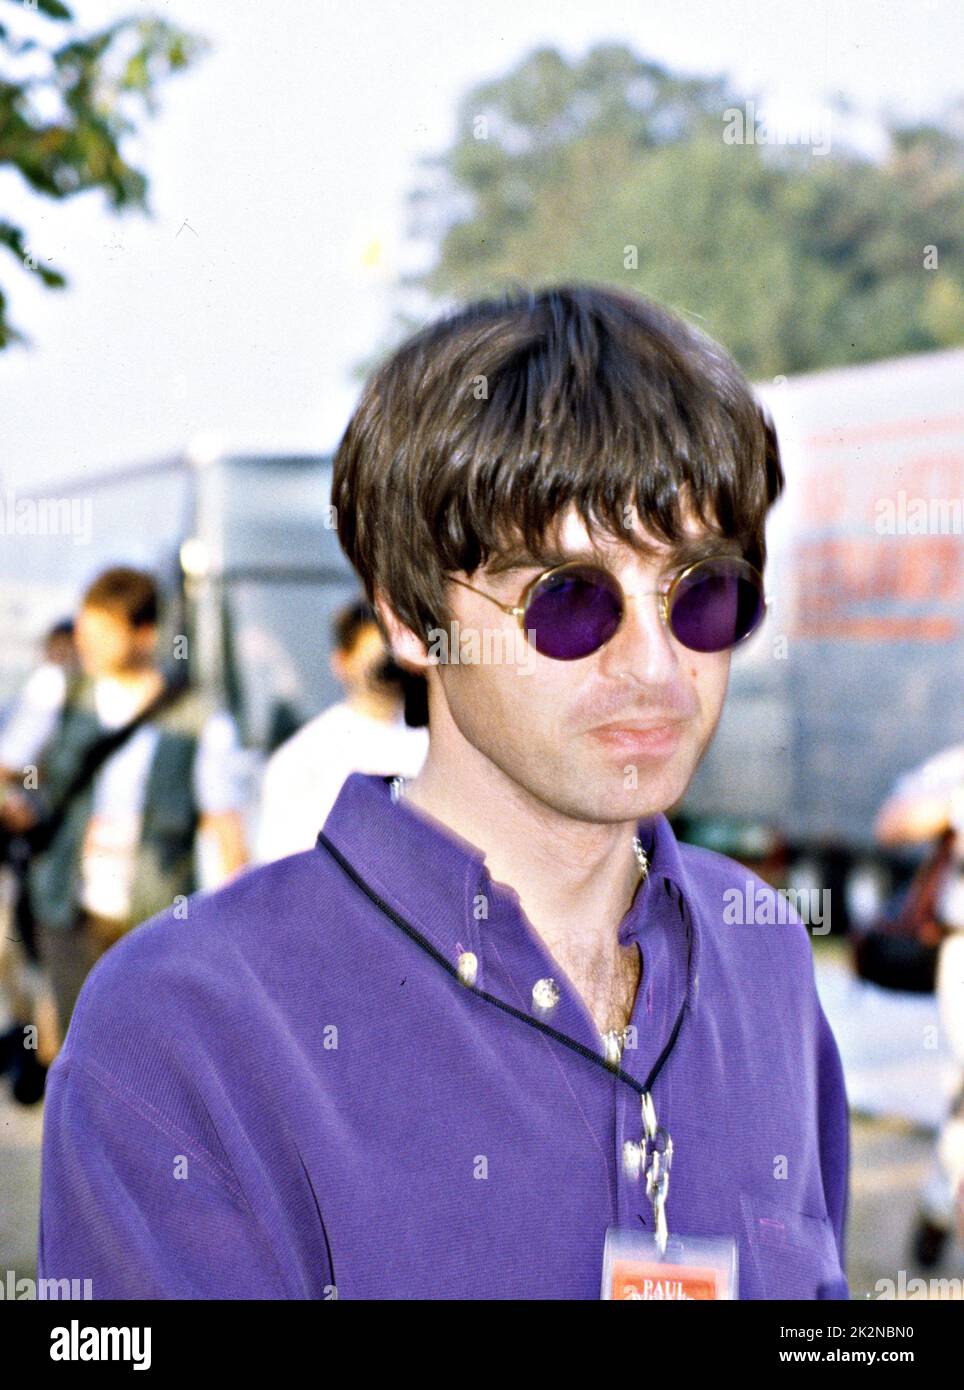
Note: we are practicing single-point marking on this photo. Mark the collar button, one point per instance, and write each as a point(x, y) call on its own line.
point(468, 967)
point(545, 995)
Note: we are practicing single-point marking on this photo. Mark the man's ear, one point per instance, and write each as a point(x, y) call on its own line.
point(408, 649)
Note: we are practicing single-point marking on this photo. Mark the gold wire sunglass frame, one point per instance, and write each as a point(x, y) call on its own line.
point(665, 595)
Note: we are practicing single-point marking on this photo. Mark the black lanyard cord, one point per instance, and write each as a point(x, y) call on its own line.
point(545, 1028)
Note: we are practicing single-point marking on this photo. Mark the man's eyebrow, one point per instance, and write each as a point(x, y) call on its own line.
point(687, 552)
point(521, 559)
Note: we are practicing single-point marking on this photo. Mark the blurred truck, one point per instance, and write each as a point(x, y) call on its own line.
point(246, 553)
point(858, 673)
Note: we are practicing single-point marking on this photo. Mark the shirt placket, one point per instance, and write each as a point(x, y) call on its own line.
point(518, 964)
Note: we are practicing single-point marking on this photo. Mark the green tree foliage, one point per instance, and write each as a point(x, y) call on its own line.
point(614, 170)
point(66, 104)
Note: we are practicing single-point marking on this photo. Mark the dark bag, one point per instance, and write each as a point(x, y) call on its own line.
point(901, 953)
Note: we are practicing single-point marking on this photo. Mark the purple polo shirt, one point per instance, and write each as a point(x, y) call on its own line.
point(285, 1096)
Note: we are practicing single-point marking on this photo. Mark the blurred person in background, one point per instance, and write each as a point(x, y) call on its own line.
point(365, 732)
point(38, 695)
point(132, 766)
point(21, 980)
point(924, 804)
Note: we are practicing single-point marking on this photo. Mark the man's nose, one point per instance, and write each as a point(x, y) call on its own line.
point(642, 646)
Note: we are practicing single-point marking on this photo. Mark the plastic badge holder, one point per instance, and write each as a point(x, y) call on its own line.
point(692, 1267)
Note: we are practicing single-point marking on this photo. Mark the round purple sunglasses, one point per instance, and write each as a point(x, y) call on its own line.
point(574, 609)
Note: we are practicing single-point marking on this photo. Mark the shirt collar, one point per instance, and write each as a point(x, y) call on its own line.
point(431, 876)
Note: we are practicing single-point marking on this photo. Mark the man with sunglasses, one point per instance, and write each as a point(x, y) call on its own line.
point(499, 1034)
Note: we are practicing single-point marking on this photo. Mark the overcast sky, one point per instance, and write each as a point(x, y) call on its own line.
point(279, 167)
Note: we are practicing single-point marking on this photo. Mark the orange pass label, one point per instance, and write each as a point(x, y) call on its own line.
point(644, 1281)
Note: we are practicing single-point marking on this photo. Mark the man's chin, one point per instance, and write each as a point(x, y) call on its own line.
point(630, 763)
point(598, 801)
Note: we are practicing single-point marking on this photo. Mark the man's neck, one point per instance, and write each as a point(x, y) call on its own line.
point(575, 880)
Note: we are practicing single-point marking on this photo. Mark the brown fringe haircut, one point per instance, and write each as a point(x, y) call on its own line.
point(485, 426)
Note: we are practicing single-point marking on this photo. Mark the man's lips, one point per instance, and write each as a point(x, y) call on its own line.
point(632, 736)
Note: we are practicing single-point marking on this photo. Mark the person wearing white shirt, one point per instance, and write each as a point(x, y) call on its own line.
point(924, 803)
point(124, 849)
point(366, 732)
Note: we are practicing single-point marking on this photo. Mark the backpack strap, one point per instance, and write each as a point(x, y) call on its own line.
point(42, 834)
